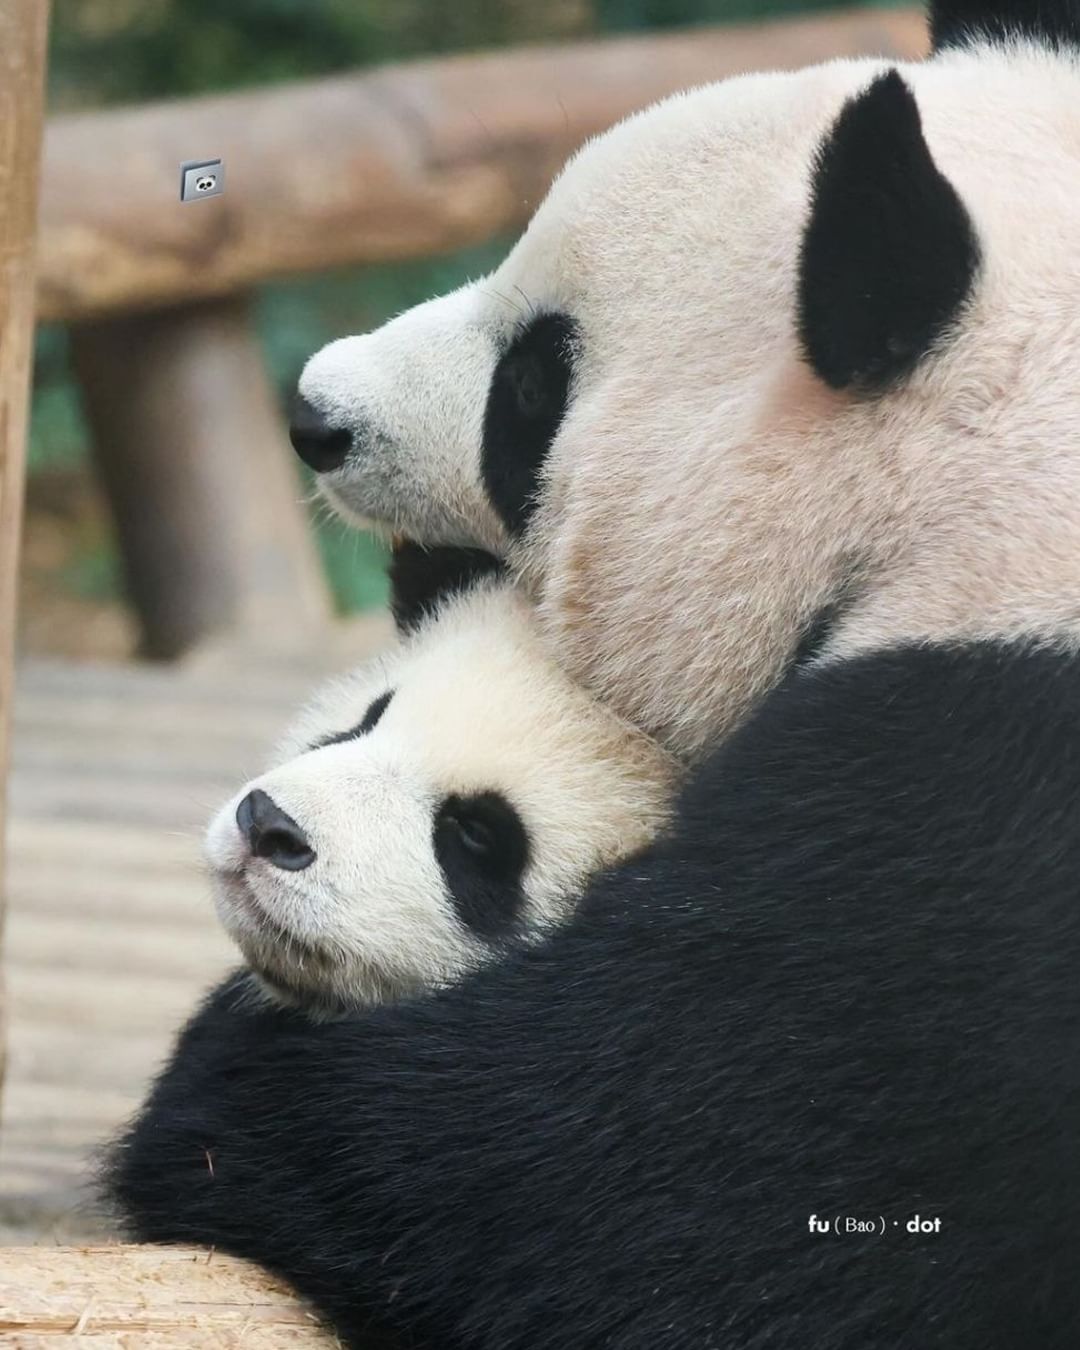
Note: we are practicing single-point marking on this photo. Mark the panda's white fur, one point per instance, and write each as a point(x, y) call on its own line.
point(705, 490)
point(477, 706)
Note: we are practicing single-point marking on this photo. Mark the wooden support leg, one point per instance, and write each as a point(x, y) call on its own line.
point(195, 461)
point(22, 72)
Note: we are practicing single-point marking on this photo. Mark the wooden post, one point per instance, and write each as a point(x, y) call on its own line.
point(203, 485)
point(23, 26)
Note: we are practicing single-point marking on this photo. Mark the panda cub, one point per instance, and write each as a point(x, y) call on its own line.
point(435, 806)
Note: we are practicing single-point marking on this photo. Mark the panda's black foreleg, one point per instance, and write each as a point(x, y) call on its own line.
point(210, 1160)
point(845, 988)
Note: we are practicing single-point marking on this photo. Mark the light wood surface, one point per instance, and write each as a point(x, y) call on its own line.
point(396, 163)
point(123, 1297)
point(111, 935)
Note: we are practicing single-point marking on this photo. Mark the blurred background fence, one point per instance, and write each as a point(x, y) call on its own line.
point(328, 226)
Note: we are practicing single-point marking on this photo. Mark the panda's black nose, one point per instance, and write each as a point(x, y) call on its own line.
point(273, 835)
point(319, 444)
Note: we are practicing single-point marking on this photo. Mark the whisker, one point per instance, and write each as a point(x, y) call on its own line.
point(530, 304)
point(510, 304)
point(566, 115)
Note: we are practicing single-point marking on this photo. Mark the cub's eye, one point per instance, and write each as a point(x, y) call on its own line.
point(484, 831)
point(368, 722)
point(373, 716)
point(477, 836)
point(483, 849)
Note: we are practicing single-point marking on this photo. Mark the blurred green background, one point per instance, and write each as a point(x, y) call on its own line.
point(111, 51)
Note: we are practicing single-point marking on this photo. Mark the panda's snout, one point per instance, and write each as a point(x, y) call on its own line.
point(271, 834)
point(321, 445)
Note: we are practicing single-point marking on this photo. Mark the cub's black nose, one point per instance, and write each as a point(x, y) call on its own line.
point(321, 446)
point(273, 835)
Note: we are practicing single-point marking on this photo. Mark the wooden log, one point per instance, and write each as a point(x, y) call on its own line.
point(203, 485)
point(116, 1298)
point(23, 25)
point(397, 163)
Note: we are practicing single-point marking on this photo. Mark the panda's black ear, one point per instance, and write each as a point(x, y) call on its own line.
point(1055, 23)
point(889, 253)
point(422, 578)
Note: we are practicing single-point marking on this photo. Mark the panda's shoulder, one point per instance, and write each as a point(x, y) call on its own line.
point(941, 748)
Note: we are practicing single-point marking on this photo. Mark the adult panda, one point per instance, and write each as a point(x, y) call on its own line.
point(782, 368)
point(433, 808)
point(844, 986)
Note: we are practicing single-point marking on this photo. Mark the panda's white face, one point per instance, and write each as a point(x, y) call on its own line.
point(666, 248)
point(446, 801)
point(626, 409)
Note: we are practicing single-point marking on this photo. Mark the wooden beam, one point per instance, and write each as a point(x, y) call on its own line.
point(201, 479)
point(397, 163)
point(23, 25)
point(111, 1298)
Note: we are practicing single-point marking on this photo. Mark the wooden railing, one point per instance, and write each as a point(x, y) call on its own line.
point(400, 162)
point(397, 163)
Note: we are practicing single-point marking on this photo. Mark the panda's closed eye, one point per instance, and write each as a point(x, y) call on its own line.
point(368, 722)
point(482, 847)
point(530, 391)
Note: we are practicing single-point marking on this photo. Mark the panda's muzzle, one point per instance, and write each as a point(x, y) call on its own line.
point(321, 445)
point(271, 834)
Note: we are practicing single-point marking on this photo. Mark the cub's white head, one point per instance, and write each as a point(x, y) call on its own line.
point(444, 802)
point(789, 372)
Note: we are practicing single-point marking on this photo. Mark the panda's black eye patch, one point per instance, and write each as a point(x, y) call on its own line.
point(482, 847)
point(529, 393)
point(368, 722)
point(373, 716)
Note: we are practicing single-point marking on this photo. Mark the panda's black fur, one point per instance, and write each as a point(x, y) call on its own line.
point(847, 985)
point(422, 578)
point(1052, 22)
point(889, 253)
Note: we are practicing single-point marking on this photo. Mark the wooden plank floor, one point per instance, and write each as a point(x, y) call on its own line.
point(110, 934)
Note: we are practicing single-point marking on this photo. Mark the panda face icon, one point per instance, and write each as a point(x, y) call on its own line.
point(201, 178)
